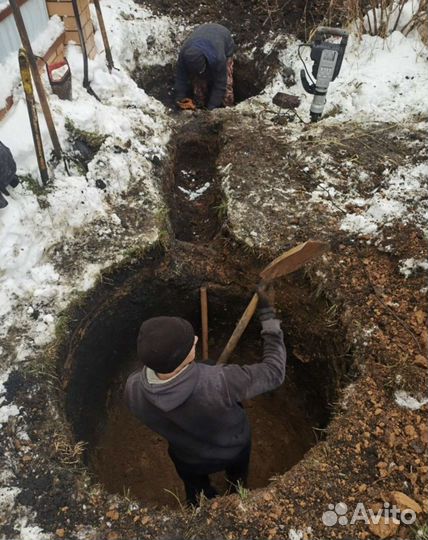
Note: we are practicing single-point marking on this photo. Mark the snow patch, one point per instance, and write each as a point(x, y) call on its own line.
point(405, 400)
point(408, 266)
point(403, 198)
point(193, 195)
point(6, 411)
point(7, 498)
point(380, 79)
point(136, 36)
point(33, 533)
point(10, 77)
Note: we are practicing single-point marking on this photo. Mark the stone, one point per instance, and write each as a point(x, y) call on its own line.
point(410, 431)
point(286, 101)
point(403, 501)
point(421, 361)
point(385, 528)
point(113, 515)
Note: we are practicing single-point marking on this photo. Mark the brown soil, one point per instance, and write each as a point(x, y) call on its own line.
point(249, 20)
point(130, 458)
point(355, 329)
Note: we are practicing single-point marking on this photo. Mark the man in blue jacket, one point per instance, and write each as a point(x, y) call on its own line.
point(197, 407)
point(205, 68)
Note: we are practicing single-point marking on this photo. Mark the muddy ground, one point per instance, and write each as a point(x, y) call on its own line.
point(355, 330)
point(252, 20)
point(239, 190)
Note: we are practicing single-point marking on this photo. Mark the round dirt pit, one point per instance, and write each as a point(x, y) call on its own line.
point(251, 75)
point(128, 458)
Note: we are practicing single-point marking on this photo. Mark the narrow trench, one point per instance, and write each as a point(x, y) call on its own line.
point(193, 191)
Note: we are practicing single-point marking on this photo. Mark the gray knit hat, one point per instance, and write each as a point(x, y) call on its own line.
point(164, 342)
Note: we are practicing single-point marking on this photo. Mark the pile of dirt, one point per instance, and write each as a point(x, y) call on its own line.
point(249, 21)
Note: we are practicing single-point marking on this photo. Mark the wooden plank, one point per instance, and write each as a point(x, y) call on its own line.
point(62, 9)
point(5, 12)
point(88, 30)
point(92, 52)
point(6, 109)
point(70, 23)
point(82, 5)
point(72, 36)
point(90, 43)
point(85, 16)
point(60, 50)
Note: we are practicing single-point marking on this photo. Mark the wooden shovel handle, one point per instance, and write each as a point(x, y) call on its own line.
point(239, 330)
point(102, 26)
point(204, 317)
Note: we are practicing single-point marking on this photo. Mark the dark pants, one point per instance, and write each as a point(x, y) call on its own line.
point(201, 89)
point(196, 476)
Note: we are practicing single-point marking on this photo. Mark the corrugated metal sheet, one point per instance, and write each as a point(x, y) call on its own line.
point(35, 15)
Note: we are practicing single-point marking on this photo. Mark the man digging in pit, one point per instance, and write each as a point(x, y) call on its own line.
point(197, 407)
point(204, 76)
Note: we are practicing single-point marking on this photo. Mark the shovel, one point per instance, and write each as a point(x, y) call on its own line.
point(288, 262)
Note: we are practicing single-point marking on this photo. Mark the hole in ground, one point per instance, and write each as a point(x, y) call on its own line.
point(192, 191)
point(128, 458)
point(251, 75)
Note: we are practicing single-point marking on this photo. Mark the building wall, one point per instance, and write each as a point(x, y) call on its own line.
point(64, 9)
point(53, 54)
point(35, 15)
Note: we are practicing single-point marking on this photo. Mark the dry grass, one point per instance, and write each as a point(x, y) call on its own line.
point(380, 17)
point(68, 453)
point(374, 17)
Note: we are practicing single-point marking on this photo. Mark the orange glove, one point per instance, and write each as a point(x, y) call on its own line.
point(186, 104)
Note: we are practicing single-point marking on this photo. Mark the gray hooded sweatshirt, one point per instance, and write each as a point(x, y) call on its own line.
point(199, 412)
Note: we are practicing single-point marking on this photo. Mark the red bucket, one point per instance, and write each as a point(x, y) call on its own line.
point(59, 75)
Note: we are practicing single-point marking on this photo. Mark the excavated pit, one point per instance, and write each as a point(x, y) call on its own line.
point(251, 75)
point(127, 458)
point(192, 187)
point(123, 455)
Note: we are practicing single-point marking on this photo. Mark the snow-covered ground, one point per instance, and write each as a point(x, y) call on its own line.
point(381, 80)
point(130, 120)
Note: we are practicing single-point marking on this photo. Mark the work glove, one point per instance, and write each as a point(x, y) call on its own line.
point(186, 104)
point(265, 293)
point(3, 201)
